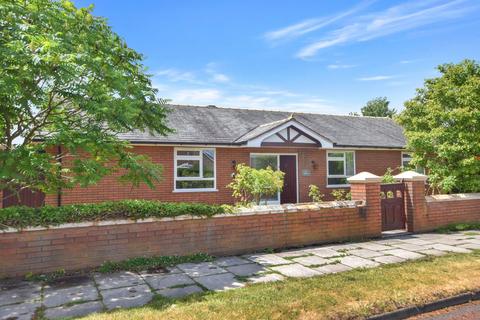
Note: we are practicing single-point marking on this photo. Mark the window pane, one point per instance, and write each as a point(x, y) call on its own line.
point(335, 168)
point(205, 184)
point(263, 161)
point(350, 164)
point(337, 181)
point(188, 168)
point(335, 154)
point(208, 163)
point(406, 156)
point(188, 152)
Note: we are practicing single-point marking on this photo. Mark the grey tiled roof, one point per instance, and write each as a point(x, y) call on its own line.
point(225, 126)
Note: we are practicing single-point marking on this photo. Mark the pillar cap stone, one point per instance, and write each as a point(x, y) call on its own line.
point(411, 176)
point(364, 177)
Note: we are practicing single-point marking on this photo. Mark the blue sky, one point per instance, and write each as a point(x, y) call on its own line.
point(307, 56)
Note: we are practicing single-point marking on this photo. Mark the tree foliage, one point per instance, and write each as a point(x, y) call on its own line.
point(442, 127)
point(252, 185)
point(314, 193)
point(66, 79)
point(378, 107)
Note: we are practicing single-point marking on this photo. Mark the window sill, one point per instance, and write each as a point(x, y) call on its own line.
point(331, 186)
point(194, 190)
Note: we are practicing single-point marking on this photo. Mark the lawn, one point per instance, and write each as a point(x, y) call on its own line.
point(354, 294)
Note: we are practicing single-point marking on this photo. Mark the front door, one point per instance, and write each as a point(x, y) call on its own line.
point(288, 165)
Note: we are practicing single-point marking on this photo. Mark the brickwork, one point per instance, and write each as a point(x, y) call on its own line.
point(88, 245)
point(110, 189)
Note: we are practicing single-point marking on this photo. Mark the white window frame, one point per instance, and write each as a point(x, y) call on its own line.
point(409, 154)
point(199, 158)
point(344, 159)
point(278, 168)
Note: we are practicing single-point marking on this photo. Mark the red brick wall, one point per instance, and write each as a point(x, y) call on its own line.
point(110, 189)
point(88, 246)
point(444, 212)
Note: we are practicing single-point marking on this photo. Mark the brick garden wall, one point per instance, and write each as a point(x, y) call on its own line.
point(442, 210)
point(87, 245)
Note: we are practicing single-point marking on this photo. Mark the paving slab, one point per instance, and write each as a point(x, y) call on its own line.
point(449, 248)
point(433, 252)
point(179, 292)
point(19, 291)
point(220, 282)
point(200, 269)
point(247, 269)
point(404, 254)
point(296, 271)
point(311, 260)
point(332, 268)
point(326, 252)
point(21, 311)
point(373, 246)
point(264, 278)
point(418, 242)
point(268, 259)
point(294, 253)
point(473, 246)
point(117, 280)
point(365, 253)
point(451, 242)
point(54, 296)
point(411, 247)
point(127, 297)
point(344, 246)
point(76, 310)
point(388, 259)
point(358, 262)
point(162, 281)
point(230, 261)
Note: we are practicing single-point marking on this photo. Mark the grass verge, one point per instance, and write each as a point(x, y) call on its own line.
point(455, 227)
point(351, 295)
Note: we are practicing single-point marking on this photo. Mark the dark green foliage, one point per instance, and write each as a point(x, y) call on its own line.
point(459, 227)
point(21, 217)
point(378, 107)
point(149, 263)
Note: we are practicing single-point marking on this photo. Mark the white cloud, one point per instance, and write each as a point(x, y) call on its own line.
point(219, 77)
point(215, 76)
point(175, 75)
point(395, 19)
point(340, 66)
point(375, 78)
point(310, 25)
point(194, 96)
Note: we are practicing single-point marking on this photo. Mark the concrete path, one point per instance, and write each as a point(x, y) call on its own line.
point(87, 294)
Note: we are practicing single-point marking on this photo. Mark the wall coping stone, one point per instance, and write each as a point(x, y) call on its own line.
point(364, 177)
point(241, 211)
point(453, 197)
point(410, 176)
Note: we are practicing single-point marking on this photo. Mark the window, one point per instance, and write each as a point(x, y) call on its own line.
point(340, 166)
point(262, 161)
point(406, 159)
point(194, 169)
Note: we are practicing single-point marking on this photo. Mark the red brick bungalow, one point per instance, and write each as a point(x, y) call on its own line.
point(199, 158)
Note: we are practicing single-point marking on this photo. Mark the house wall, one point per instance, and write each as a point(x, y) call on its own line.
point(110, 189)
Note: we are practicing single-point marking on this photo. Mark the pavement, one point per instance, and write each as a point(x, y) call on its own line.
point(82, 295)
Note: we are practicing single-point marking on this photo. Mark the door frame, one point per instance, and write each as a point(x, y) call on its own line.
point(278, 165)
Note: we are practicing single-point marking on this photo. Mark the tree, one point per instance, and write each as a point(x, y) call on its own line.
point(253, 185)
point(378, 107)
point(68, 86)
point(442, 127)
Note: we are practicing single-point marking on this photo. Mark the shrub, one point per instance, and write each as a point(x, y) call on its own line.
point(341, 195)
point(21, 216)
point(388, 176)
point(251, 185)
point(314, 193)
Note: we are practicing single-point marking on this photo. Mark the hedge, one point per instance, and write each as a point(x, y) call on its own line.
point(20, 216)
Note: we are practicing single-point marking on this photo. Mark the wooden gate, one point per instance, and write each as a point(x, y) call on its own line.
point(393, 206)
